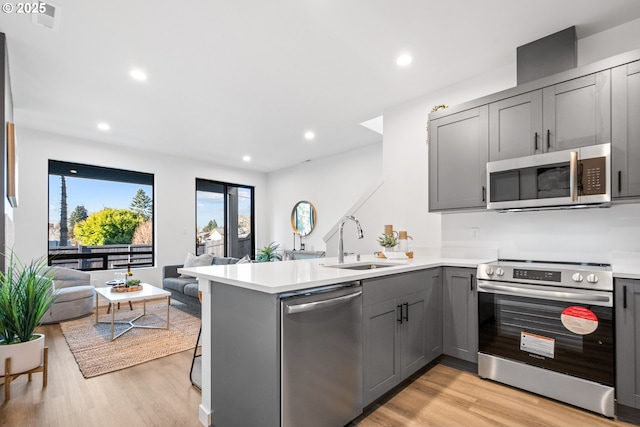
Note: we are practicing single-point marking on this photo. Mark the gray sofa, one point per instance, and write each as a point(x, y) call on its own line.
point(185, 289)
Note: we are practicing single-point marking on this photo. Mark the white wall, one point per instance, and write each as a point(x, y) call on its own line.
point(581, 235)
point(332, 185)
point(614, 41)
point(174, 195)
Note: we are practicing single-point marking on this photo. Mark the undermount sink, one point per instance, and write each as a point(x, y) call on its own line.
point(362, 266)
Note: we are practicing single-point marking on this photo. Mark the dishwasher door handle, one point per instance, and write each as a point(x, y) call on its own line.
point(316, 305)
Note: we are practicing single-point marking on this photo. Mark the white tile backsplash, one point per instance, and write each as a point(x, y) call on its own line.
point(587, 235)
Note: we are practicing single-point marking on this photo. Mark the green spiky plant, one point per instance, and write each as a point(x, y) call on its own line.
point(388, 240)
point(269, 253)
point(26, 293)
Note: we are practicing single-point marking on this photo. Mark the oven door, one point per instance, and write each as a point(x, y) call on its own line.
point(565, 330)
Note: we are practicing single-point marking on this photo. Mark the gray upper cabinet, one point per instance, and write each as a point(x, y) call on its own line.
point(568, 115)
point(460, 314)
point(397, 327)
point(458, 152)
point(627, 309)
point(515, 126)
point(626, 130)
point(577, 113)
point(593, 104)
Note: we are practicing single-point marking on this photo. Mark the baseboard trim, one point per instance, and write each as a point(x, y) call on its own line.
point(628, 414)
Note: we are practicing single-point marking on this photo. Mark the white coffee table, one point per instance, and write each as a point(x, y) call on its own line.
point(148, 292)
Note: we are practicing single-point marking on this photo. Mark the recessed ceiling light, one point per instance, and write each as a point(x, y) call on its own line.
point(404, 60)
point(309, 135)
point(138, 74)
point(73, 171)
point(104, 126)
point(246, 158)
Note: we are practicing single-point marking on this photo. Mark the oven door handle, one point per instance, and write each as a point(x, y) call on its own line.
point(592, 298)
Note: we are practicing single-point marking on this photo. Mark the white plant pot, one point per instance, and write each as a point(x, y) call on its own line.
point(24, 356)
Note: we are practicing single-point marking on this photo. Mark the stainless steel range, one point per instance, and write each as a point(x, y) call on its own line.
point(547, 327)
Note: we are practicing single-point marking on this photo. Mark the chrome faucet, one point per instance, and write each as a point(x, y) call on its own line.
point(341, 233)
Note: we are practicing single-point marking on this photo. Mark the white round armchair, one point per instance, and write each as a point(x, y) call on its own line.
point(74, 298)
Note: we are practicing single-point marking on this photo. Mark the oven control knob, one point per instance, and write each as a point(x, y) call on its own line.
point(577, 277)
point(592, 278)
point(499, 271)
point(488, 270)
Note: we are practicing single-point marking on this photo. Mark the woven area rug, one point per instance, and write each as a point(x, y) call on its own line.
point(96, 354)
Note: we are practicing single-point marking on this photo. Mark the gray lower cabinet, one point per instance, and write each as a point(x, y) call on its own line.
point(625, 108)
point(402, 328)
point(627, 309)
point(460, 313)
point(458, 152)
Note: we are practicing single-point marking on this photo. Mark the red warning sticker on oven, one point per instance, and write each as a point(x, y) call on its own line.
point(579, 320)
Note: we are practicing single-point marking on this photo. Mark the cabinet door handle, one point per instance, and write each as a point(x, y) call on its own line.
point(471, 281)
point(619, 181)
point(399, 313)
point(405, 309)
point(484, 193)
point(535, 142)
point(624, 296)
point(548, 139)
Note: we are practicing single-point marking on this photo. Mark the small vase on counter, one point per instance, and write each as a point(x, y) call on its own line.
point(403, 243)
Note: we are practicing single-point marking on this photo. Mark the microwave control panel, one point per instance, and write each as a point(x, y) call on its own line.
point(593, 178)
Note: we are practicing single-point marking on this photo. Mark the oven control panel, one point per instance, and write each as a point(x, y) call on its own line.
point(547, 276)
point(572, 275)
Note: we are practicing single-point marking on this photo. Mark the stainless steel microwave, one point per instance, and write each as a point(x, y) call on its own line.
point(569, 178)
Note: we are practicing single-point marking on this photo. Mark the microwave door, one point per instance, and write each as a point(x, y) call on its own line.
point(530, 182)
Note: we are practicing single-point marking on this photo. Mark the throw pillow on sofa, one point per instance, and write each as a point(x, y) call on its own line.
point(197, 261)
point(244, 260)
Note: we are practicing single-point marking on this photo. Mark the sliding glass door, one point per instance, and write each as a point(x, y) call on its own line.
point(224, 219)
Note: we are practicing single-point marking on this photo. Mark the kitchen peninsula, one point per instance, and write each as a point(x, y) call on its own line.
point(241, 324)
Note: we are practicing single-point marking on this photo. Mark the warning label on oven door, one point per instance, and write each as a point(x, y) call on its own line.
point(579, 320)
point(536, 344)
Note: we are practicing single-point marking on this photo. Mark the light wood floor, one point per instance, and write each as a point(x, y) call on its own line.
point(159, 393)
point(156, 393)
point(445, 396)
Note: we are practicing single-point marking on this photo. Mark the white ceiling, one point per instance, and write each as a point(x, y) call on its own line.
point(249, 77)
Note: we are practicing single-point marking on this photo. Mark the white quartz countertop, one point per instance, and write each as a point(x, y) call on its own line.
point(625, 265)
point(626, 271)
point(287, 276)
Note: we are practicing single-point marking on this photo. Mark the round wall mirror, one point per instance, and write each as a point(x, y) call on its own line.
point(303, 218)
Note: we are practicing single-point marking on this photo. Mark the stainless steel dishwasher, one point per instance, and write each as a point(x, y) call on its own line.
point(321, 364)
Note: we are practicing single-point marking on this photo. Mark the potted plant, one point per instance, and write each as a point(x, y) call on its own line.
point(388, 241)
point(269, 253)
point(26, 293)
